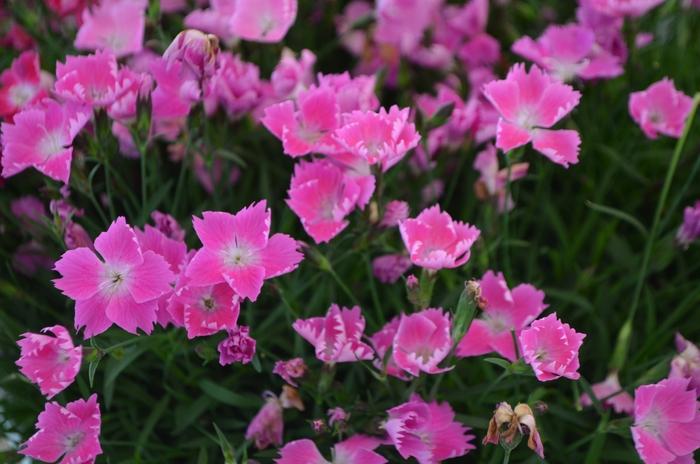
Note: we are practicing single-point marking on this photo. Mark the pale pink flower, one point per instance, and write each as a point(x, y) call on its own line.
point(666, 421)
point(427, 432)
point(22, 84)
point(529, 104)
point(42, 137)
point(357, 449)
point(504, 311)
point(401, 23)
point(196, 51)
point(263, 20)
point(292, 75)
point(686, 364)
point(91, 80)
point(624, 7)
point(337, 336)
point(355, 41)
point(121, 286)
point(70, 433)
point(480, 50)
point(492, 181)
point(435, 241)
point(310, 126)
point(381, 138)
point(462, 121)
point(383, 343)
point(394, 212)
point(621, 401)
point(322, 196)
point(214, 20)
point(168, 225)
point(267, 426)
point(389, 268)
point(607, 29)
point(689, 231)
point(237, 249)
point(235, 86)
point(290, 370)
point(318, 425)
point(423, 341)
point(352, 93)
point(551, 348)
point(357, 172)
point(660, 109)
point(238, 346)
point(117, 26)
point(337, 415)
point(50, 361)
point(134, 86)
point(469, 19)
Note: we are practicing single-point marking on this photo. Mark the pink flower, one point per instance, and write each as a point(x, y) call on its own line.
point(29, 210)
point(291, 76)
point(462, 121)
point(196, 51)
point(75, 236)
point(435, 241)
point(175, 93)
point(22, 84)
point(551, 347)
point(402, 22)
point(50, 361)
point(422, 341)
point(168, 225)
point(30, 258)
point(322, 196)
point(121, 286)
point(237, 249)
point(215, 20)
point(208, 309)
point(235, 85)
point(352, 93)
point(394, 212)
point(337, 415)
point(267, 426)
point(66, 7)
point(290, 370)
point(686, 364)
point(71, 432)
point(263, 20)
point(504, 311)
point(569, 51)
point(355, 41)
point(238, 346)
point(621, 402)
point(41, 137)
point(357, 449)
point(389, 268)
point(660, 109)
point(337, 336)
point(529, 104)
point(308, 128)
point(381, 138)
point(383, 343)
point(91, 80)
point(666, 421)
point(117, 26)
point(492, 181)
point(689, 231)
point(624, 7)
point(427, 431)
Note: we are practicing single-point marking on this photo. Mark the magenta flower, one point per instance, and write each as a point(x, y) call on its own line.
point(435, 241)
point(357, 449)
point(22, 84)
point(394, 212)
point(569, 51)
point(422, 341)
point(686, 364)
point(492, 181)
point(121, 285)
point(290, 370)
point(215, 20)
point(401, 23)
point(427, 431)
point(195, 51)
point(71, 432)
point(624, 7)
point(529, 104)
point(91, 80)
point(660, 109)
point(235, 86)
point(238, 346)
point(337, 415)
point(41, 137)
point(382, 138)
point(237, 249)
point(337, 336)
point(267, 426)
point(50, 361)
point(505, 311)
point(168, 225)
point(383, 343)
point(116, 26)
point(208, 309)
point(322, 196)
point(389, 268)
point(689, 231)
point(551, 347)
point(263, 20)
point(666, 422)
point(621, 402)
point(292, 75)
point(352, 93)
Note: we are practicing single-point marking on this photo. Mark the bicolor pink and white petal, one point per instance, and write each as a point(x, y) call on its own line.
point(423, 341)
point(660, 109)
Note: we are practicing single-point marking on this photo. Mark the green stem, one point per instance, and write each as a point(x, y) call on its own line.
point(623, 339)
point(506, 456)
point(506, 220)
point(144, 180)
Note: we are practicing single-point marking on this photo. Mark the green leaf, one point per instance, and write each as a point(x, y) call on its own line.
point(439, 118)
point(625, 217)
point(116, 367)
point(92, 368)
point(499, 362)
point(226, 448)
point(464, 315)
point(150, 423)
point(226, 396)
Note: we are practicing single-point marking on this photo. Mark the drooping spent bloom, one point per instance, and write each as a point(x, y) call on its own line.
point(290, 398)
point(121, 286)
point(196, 51)
point(686, 364)
point(569, 51)
point(389, 268)
point(22, 84)
point(208, 309)
point(71, 432)
point(610, 394)
point(383, 343)
point(91, 80)
point(357, 449)
point(551, 347)
point(435, 241)
point(42, 137)
point(394, 212)
point(267, 426)
point(382, 138)
point(290, 370)
point(530, 103)
point(427, 431)
point(235, 86)
point(322, 196)
point(689, 231)
point(492, 181)
point(631, 8)
point(117, 26)
point(263, 20)
point(238, 346)
point(168, 225)
point(422, 341)
point(660, 109)
point(666, 421)
point(50, 361)
point(508, 423)
point(238, 249)
point(337, 336)
point(504, 312)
